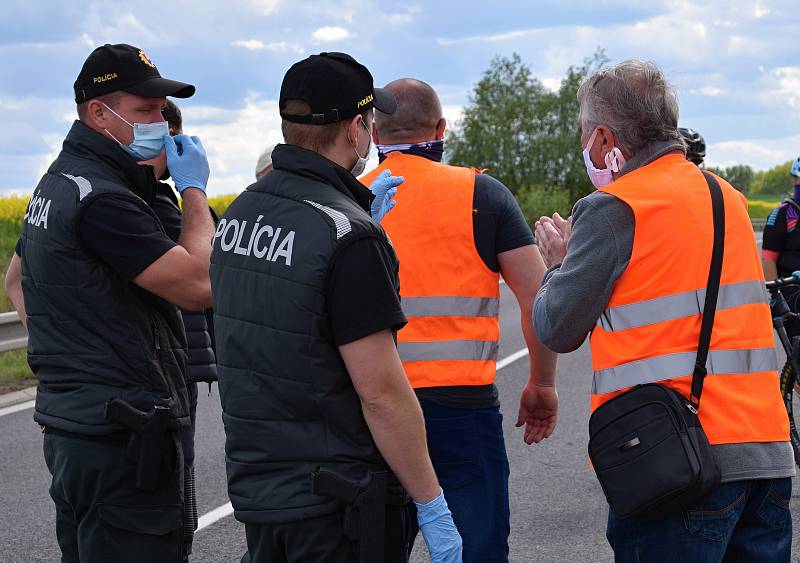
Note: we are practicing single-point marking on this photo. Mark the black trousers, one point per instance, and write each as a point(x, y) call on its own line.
point(100, 514)
point(322, 540)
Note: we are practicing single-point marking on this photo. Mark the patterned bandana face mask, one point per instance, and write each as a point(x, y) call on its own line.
point(430, 149)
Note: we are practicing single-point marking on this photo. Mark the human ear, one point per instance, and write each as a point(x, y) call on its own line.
point(441, 126)
point(97, 114)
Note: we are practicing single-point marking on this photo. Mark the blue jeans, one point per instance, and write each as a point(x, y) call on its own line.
point(741, 521)
point(469, 455)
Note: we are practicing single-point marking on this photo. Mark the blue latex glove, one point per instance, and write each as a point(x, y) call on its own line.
point(187, 162)
point(383, 188)
point(439, 531)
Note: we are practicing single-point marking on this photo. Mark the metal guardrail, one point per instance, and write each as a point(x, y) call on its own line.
point(13, 335)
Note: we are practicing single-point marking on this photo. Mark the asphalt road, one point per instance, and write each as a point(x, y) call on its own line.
point(558, 512)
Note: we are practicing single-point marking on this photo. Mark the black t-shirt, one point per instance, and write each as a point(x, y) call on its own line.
point(781, 242)
point(498, 223)
point(362, 294)
point(118, 230)
point(165, 205)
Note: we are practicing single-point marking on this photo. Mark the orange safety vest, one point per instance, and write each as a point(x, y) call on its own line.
point(650, 328)
point(450, 297)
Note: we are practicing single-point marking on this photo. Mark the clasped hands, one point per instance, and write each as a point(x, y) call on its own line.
point(552, 234)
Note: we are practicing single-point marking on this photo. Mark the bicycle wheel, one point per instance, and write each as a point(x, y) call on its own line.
point(788, 381)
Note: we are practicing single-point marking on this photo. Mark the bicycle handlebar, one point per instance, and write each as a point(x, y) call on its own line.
point(783, 282)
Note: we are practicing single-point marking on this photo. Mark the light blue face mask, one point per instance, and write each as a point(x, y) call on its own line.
point(148, 138)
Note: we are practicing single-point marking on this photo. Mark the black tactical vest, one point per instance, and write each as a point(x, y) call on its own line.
point(92, 334)
point(288, 403)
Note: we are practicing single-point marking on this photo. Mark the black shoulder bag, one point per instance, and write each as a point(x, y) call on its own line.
point(647, 446)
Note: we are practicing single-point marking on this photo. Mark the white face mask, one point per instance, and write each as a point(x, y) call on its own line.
point(614, 160)
point(361, 163)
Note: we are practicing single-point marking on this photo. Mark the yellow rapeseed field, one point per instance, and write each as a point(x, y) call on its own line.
point(221, 202)
point(12, 209)
point(761, 209)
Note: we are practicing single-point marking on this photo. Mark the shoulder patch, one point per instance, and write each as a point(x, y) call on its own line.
point(84, 186)
point(341, 221)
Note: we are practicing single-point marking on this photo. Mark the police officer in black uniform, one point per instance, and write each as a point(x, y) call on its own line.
point(101, 281)
point(324, 434)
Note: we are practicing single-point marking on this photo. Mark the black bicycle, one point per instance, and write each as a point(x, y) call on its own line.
point(781, 315)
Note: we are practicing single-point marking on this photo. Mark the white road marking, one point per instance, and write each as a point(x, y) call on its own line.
point(217, 514)
point(16, 408)
point(512, 358)
point(226, 509)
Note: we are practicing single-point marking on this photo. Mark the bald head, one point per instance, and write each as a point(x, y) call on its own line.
point(418, 117)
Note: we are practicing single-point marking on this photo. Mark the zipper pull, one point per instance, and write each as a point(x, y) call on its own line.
point(156, 339)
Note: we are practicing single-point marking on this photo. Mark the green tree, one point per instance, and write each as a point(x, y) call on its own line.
point(525, 135)
point(773, 182)
point(740, 176)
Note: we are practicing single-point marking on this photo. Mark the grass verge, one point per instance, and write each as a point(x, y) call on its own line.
point(14, 371)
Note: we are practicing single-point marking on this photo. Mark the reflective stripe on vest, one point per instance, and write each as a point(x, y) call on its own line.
point(449, 295)
point(451, 306)
point(680, 305)
point(451, 350)
point(681, 364)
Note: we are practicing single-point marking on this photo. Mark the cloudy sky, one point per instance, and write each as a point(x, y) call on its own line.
point(735, 63)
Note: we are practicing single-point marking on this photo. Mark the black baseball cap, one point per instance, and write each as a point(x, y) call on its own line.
point(336, 86)
point(124, 67)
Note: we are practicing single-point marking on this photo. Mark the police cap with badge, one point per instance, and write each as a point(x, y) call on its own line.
point(126, 68)
point(336, 86)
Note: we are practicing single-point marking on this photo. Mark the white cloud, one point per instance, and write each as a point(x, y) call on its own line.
point(552, 83)
point(452, 113)
point(488, 38)
point(249, 44)
point(234, 139)
point(788, 79)
point(402, 18)
point(697, 27)
point(133, 31)
point(760, 154)
point(708, 91)
point(759, 11)
point(275, 47)
point(330, 34)
point(264, 7)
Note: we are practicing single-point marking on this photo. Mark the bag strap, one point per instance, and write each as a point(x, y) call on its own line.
point(712, 290)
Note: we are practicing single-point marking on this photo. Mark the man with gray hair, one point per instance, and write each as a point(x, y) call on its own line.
point(631, 268)
point(264, 162)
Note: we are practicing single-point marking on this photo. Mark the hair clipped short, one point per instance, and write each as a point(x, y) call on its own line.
point(311, 137)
